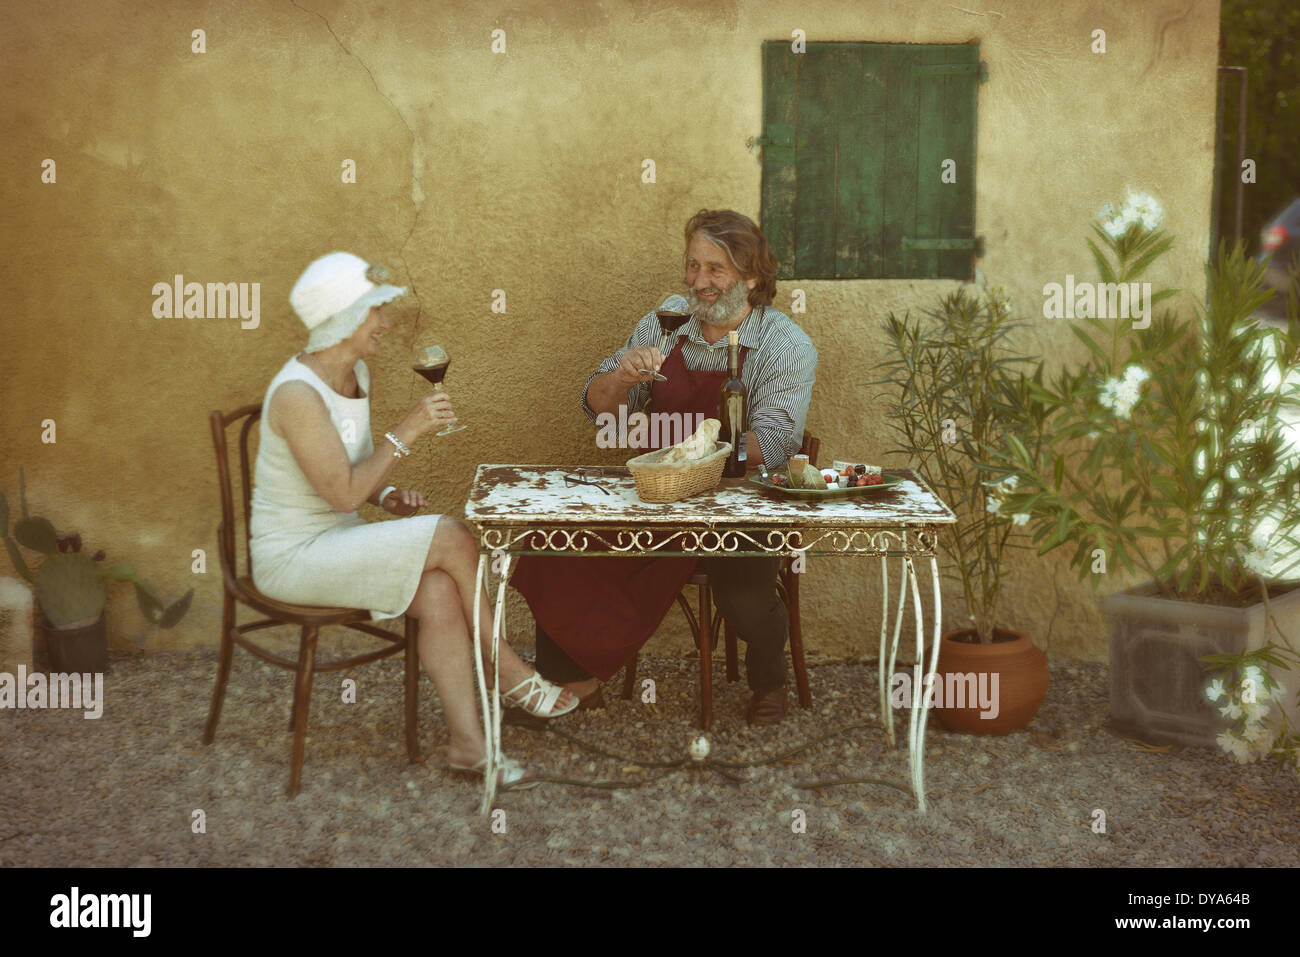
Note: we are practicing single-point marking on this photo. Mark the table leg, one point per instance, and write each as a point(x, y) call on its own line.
point(887, 671)
point(490, 772)
point(921, 682)
point(498, 636)
point(934, 664)
point(920, 699)
point(886, 712)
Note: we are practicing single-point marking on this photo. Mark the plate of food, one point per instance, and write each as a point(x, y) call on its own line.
point(807, 482)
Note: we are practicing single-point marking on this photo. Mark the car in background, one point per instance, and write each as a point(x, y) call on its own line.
point(1280, 251)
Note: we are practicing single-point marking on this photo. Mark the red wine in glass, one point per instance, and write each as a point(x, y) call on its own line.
point(433, 365)
point(435, 374)
point(669, 321)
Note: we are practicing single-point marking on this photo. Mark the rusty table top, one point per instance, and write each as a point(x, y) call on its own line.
point(528, 508)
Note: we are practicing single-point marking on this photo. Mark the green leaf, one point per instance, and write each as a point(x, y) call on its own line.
point(1103, 264)
point(1022, 455)
point(37, 534)
point(1088, 341)
point(150, 606)
point(1150, 256)
point(176, 611)
point(120, 573)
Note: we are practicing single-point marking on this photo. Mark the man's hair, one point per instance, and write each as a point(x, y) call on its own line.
point(745, 245)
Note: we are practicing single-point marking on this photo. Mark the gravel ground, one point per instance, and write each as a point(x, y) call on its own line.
point(122, 790)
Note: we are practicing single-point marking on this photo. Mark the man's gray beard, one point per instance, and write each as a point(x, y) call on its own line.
point(729, 305)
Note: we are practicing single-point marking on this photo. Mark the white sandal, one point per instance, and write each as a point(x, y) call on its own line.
point(534, 685)
point(511, 774)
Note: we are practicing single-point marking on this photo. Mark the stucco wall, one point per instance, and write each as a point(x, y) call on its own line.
point(518, 171)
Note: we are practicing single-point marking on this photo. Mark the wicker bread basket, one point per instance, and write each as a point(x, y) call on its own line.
point(658, 482)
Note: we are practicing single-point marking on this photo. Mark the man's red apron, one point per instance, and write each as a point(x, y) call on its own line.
point(602, 610)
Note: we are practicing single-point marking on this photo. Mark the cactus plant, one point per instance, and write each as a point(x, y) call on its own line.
point(69, 590)
point(70, 587)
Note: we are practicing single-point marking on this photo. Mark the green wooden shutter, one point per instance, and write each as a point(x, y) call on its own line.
point(854, 139)
point(946, 80)
point(778, 190)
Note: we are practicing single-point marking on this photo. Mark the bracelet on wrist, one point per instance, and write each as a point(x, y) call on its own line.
point(385, 493)
point(401, 451)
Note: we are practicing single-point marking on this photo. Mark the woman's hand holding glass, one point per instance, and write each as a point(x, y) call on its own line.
point(431, 412)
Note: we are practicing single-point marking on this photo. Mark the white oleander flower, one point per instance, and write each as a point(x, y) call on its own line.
point(1231, 710)
point(1115, 228)
point(1139, 209)
point(1255, 711)
point(1126, 393)
point(1252, 674)
point(1119, 395)
point(1136, 374)
point(993, 504)
point(1010, 482)
point(1259, 561)
point(1020, 518)
point(1234, 745)
point(1143, 208)
point(1107, 397)
point(1215, 691)
point(1256, 734)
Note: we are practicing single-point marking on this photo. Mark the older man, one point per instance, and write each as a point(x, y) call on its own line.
point(594, 614)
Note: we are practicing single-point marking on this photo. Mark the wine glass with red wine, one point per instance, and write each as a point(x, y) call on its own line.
point(669, 321)
point(432, 363)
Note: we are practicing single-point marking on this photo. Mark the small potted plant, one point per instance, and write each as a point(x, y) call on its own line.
point(1171, 454)
point(947, 376)
point(71, 590)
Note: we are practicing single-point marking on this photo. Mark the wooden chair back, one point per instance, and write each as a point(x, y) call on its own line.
point(220, 422)
point(810, 447)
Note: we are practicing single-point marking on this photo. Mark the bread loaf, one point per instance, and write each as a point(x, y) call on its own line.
point(702, 443)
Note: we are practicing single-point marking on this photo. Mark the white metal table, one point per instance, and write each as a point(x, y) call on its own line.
point(530, 510)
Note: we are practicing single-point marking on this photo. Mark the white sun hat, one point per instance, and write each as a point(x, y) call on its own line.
point(334, 295)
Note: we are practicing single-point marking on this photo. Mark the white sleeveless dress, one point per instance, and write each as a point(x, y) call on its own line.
point(307, 553)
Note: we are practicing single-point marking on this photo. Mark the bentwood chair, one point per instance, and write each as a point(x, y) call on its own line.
point(706, 639)
point(239, 590)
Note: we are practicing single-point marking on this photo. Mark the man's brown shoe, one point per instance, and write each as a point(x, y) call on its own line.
point(767, 707)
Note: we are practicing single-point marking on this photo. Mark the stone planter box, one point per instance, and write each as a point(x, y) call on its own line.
point(1157, 686)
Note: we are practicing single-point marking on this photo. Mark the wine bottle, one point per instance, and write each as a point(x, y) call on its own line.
point(732, 407)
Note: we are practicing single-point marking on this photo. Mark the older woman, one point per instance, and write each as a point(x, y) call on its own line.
point(316, 464)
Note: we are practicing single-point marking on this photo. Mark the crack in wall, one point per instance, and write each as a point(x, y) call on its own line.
point(417, 163)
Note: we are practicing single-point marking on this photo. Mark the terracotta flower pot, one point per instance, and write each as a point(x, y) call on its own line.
point(81, 649)
point(1011, 700)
